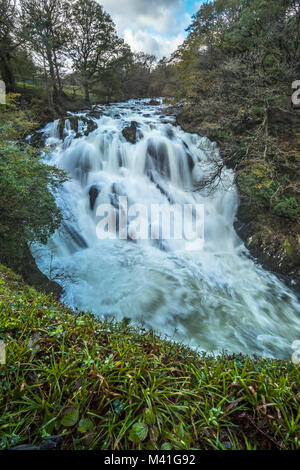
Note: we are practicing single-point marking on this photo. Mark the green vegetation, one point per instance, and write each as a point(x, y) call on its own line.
point(107, 385)
point(235, 71)
point(28, 209)
point(103, 385)
point(39, 37)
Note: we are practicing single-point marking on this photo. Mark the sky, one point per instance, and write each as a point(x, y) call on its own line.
point(152, 26)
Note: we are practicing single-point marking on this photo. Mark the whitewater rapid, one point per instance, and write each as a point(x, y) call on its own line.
point(216, 299)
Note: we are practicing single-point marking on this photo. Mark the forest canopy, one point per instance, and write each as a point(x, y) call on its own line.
point(68, 48)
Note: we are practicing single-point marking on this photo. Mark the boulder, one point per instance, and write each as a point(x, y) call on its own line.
point(129, 132)
point(154, 102)
point(91, 125)
point(95, 113)
point(37, 140)
point(93, 193)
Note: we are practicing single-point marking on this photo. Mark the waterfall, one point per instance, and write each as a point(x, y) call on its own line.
point(216, 299)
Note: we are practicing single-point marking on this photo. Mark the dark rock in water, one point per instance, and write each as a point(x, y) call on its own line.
point(129, 132)
point(62, 122)
point(169, 133)
point(160, 244)
point(37, 140)
point(114, 200)
point(173, 110)
point(120, 160)
point(93, 193)
point(118, 189)
point(151, 150)
point(140, 134)
point(61, 127)
point(163, 159)
point(190, 161)
point(166, 120)
point(189, 157)
point(91, 125)
point(182, 166)
point(82, 166)
point(158, 158)
point(75, 236)
point(154, 177)
point(154, 103)
point(95, 113)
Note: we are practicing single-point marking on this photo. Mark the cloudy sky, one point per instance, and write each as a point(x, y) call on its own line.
point(152, 26)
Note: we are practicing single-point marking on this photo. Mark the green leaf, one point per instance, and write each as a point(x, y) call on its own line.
point(149, 416)
point(138, 433)
point(70, 417)
point(166, 446)
point(85, 425)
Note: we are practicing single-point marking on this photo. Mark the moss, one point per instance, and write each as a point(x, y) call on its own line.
point(288, 247)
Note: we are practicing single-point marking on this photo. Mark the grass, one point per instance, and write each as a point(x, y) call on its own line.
point(105, 385)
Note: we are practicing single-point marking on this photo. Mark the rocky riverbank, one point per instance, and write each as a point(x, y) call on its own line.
point(272, 239)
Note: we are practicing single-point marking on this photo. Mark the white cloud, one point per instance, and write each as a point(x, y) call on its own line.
point(152, 26)
point(151, 43)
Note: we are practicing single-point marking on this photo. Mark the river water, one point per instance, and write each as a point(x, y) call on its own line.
point(216, 298)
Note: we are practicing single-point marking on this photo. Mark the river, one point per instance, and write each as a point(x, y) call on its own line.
point(216, 298)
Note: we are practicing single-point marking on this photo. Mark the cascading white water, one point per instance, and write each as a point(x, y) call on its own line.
point(216, 299)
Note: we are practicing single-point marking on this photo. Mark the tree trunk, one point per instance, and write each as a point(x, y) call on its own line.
point(6, 73)
point(266, 121)
point(52, 73)
point(60, 90)
point(86, 90)
point(49, 89)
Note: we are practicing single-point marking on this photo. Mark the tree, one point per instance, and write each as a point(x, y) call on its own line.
point(8, 18)
point(112, 78)
point(95, 45)
point(236, 68)
point(138, 78)
point(24, 187)
point(162, 78)
point(44, 30)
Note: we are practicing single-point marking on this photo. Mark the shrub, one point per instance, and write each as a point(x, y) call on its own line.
point(288, 207)
point(28, 209)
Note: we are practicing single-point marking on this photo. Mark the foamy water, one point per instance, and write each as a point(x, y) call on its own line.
point(215, 299)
